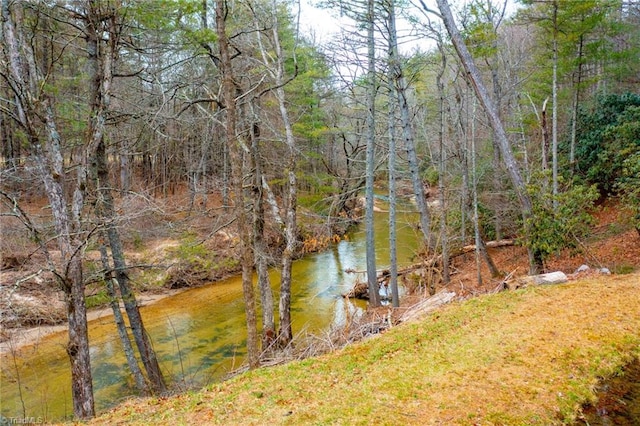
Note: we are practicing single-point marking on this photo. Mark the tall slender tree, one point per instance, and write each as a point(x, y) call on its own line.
point(291, 231)
point(275, 66)
point(482, 30)
point(372, 279)
point(408, 136)
point(237, 152)
point(444, 241)
point(29, 85)
point(393, 256)
point(526, 206)
point(105, 18)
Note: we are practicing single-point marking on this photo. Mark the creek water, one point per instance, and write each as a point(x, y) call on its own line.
point(199, 334)
point(618, 400)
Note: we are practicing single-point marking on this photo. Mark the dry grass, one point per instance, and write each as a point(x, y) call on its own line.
point(529, 357)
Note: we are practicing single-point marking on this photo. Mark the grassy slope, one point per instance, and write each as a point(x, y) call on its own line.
point(516, 358)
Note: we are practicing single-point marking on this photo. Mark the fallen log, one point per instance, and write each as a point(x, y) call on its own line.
point(488, 244)
point(360, 289)
point(425, 306)
point(472, 247)
point(384, 273)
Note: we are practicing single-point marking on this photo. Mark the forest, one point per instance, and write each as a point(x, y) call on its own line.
point(502, 120)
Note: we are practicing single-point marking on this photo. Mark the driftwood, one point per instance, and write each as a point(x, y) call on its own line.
point(360, 289)
point(488, 244)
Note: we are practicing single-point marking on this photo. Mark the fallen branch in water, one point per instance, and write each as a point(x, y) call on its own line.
point(360, 288)
point(432, 261)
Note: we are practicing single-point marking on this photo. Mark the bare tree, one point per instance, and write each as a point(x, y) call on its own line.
point(408, 136)
point(260, 245)
point(393, 56)
point(372, 279)
point(237, 152)
point(99, 20)
point(444, 240)
point(285, 334)
point(35, 104)
point(526, 206)
point(554, 110)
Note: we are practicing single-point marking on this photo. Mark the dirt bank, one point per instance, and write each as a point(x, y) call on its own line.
point(19, 337)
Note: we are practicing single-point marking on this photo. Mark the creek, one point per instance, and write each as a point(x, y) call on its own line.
point(199, 334)
point(618, 400)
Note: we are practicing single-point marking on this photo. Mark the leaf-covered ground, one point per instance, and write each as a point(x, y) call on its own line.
point(527, 357)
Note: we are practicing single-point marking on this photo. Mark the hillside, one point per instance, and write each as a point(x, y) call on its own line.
point(531, 356)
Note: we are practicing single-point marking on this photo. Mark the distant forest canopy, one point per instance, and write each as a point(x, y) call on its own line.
point(164, 123)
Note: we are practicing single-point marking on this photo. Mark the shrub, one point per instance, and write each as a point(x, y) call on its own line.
point(607, 135)
point(194, 266)
point(554, 229)
point(629, 187)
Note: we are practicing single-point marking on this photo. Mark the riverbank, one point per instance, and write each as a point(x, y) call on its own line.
point(21, 337)
point(531, 356)
point(197, 334)
point(612, 246)
point(168, 247)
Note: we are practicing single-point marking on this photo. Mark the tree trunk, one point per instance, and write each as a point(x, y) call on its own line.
point(291, 205)
point(393, 259)
point(493, 269)
point(78, 346)
point(474, 191)
point(545, 136)
point(100, 62)
point(260, 248)
point(412, 158)
point(71, 280)
point(480, 247)
point(127, 348)
point(374, 296)
point(466, 203)
point(526, 205)
point(576, 101)
point(554, 111)
point(105, 210)
point(237, 173)
point(497, 170)
point(444, 240)
point(34, 106)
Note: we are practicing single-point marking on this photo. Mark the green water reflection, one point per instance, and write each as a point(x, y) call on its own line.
point(199, 334)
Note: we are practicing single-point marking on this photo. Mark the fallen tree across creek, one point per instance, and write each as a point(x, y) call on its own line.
point(360, 288)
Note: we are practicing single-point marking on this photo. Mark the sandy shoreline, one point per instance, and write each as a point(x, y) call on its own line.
point(22, 337)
